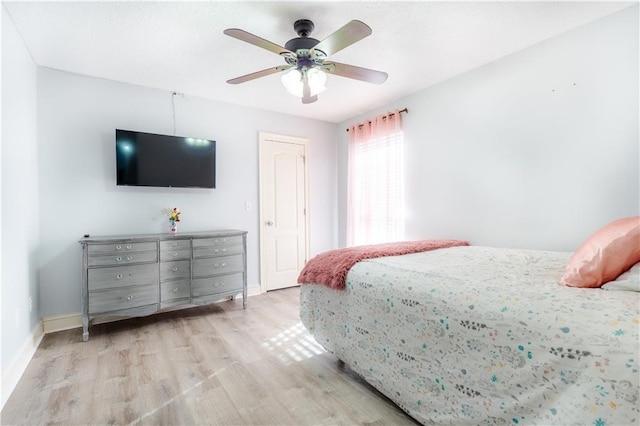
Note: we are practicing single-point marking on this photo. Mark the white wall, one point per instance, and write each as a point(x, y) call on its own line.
point(535, 150)
point(78, 195)
point(19, 217)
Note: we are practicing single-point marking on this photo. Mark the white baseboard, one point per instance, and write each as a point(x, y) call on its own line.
point(61, 322)
point(11, 377)
point(254, 290)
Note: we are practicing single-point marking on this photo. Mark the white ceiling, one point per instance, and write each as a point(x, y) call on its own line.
point(179, 46)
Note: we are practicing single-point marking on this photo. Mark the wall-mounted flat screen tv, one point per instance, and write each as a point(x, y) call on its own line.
point(147, 159)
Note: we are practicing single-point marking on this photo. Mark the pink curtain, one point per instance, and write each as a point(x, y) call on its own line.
point(375, 194)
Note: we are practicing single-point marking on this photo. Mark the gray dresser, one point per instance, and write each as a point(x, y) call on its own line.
point(137, 275)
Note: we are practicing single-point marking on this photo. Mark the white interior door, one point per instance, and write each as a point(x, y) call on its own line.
point(283, 210)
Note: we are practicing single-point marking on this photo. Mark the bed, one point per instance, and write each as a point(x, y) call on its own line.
point(479, 335)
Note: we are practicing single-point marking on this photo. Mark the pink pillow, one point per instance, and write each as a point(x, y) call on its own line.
point(605, 255)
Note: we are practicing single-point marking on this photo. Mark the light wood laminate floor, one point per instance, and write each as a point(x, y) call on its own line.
point(217, 364)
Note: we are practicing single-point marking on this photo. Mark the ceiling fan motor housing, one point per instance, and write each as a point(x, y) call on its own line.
point(298, 43)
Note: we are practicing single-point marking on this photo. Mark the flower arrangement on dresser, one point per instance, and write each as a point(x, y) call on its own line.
point(174, 218)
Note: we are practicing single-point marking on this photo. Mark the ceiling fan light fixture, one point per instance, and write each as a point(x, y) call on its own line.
point(292, 81)
point(317, 78)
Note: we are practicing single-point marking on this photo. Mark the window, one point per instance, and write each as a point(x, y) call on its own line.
point(375, 206)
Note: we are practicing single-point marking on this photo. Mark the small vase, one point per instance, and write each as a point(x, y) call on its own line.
point(174, 226)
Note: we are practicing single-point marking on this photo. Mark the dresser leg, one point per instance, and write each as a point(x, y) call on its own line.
point(85, 328)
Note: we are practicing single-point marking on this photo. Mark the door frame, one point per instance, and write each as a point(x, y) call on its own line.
point(262, 138)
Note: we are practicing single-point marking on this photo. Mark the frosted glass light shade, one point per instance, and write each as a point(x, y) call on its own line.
point(316, 79)
point(293, 82)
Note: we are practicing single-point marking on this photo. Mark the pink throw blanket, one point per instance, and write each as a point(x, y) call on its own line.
point(330, 268)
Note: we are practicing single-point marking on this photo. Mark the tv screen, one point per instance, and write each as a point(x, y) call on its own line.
point(147, 159)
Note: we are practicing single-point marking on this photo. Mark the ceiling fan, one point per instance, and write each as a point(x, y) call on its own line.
point(305, 58)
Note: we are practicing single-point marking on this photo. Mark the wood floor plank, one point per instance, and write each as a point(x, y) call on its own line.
point(216, 364)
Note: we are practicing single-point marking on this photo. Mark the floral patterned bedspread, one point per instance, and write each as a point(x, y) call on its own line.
point(478, 335)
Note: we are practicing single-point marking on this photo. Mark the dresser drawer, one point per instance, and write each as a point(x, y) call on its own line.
point(122, 276)
point(122, 298)
point(218, 284)
point(116, 248)
point(184, 244)
point(207, 247)
point(217, 265)
point(217, 241)
point(212, 251)
point(167, 255)
point(175, 290)
point(124, 258)
point(174, 270)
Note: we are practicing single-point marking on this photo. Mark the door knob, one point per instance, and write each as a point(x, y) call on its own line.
point(269, 223)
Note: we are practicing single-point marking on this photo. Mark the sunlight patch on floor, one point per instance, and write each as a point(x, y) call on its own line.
point(294, 343)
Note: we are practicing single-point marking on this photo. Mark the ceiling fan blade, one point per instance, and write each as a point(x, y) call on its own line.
point(306, 93)
point(344, 37)
point(259, 74)
point(358, 73)
point(256, 41)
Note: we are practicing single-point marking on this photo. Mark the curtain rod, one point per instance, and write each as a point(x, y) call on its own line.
point(393, 113)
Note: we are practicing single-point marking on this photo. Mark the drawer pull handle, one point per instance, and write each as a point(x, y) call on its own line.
point(174, 269)
point(215, 265)
point(175, 289)
point(118, 259)
point(119, 277)
point(224, 240)
point(128, 246)
point(175, 254)
point(129, 297)
point(216, 250)
point(224, 250)
point(174, 244)
point(118, 247)
point(129, 257)
point(224, 264)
